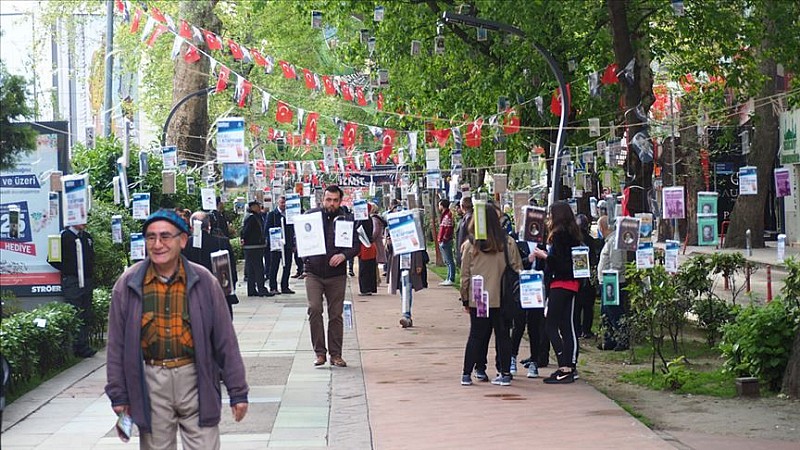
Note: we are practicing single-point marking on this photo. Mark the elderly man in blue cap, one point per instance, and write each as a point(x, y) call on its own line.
point(170, 341)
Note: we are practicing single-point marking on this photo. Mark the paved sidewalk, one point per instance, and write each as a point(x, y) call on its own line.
point(400, 390)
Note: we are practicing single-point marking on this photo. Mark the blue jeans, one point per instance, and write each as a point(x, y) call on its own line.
point(447, 255)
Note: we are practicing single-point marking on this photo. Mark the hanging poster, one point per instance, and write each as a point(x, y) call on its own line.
point(316, 19)
point(276, 239)
point(209, 199)
point(433, 179)
point(116, 229)
point(610, 289)
point(235, 178)
point(292, 208)
point(531, 289)
point(432, 159)
point(479, 218)
point(76, 199)
point(168, 182)
point(783, 185)
point(221, 267)
point(170, 157)
point(645, 256)
point(645, 227)
point(405, 230)
point(534, 224)
point(500, 183)
point(580, 262)
point(310, 235)
point(671, 256)
point(230, 140)
point(478, 296)
point(141, 205)
point(707, 203)
point(627, 234)
point(673, 203)
point(748, 180)
point(707, 231)
point(360, 211)
point(137, 246)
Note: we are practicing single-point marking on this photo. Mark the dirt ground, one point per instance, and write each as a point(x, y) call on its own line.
point(769, 417)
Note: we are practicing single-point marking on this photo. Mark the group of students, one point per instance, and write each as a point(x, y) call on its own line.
point(569, 306)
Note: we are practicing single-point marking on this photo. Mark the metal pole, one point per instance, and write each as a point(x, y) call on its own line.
point(204, 91)
point(109, 68)
point(675, 234)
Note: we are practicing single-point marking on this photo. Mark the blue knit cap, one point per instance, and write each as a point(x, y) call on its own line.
point(168, 215)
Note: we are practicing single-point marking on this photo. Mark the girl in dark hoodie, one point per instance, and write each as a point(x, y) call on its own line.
point(564, 234)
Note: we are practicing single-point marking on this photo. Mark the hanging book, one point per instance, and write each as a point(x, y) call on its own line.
point(316, 19)
point(170, 157)
point(478, 297)
point(783, 187)
point(534, 224)
point(531, 289)
point(580, 262)
point(438, 45)
point(610, 288)
point(645, 256)
point(168, 182)
point(141, 205)
point(416, 48)
point(116, 229)
point(479, 219)
point(645, 227)
point(673, 202)
point(671, 256)
point(137, 246)
point(221, 265)
point(378, 13)
point(627, 234)
point(707, 231)
point(707, 203)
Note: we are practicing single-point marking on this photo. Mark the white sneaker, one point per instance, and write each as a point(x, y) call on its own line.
point(446, 283)
point(533, 371)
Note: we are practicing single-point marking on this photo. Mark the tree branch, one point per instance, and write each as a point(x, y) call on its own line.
point(480, 46)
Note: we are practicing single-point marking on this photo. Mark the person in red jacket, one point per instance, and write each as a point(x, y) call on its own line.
point(445, 241)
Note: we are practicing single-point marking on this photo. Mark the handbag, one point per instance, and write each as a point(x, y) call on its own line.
point(509, 290)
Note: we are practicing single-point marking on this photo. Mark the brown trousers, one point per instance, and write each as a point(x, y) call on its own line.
point(333, 289)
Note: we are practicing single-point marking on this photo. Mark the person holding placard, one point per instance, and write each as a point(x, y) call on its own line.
point(487, 258)
point(564, 234)
point(77, 281)
point(220, 226)
point(277, 219)
point(326, 276)
point(253, 242)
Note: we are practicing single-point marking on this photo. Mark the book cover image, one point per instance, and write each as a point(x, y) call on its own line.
point(627, 234)
point(645, 227)
point(580, 262)
point(707, 231)
point(220, 262)
point(534, 224)
point(707, 203)
point(610, 291)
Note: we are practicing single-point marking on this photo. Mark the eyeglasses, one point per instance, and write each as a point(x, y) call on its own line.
point(164, 237)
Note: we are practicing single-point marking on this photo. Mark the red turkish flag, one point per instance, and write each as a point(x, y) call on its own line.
point(380, 101)
point(222, 78)
point(288, 70)
point(297, 140)
point(387, 139)
point(610, 74)
point(511, 125)
point(137, 18)
point(309, 78)
point(120, 6)
point(349, 138)
point(555, 101)
point(185, 31)
point(158, 31)
point(212, 40)
point(473, 138)
point(191, 56)
point(246, 88)
point(310, 134)
point(236, 50)
point(367, 162)
point(329, 88)
point(441, 136)
point(258, 57)
point(157, 15)
point(284, 114)
point(362, 101)
point(347, 94)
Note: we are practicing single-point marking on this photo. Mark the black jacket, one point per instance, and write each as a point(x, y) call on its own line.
point(69, 257)
point(559, 259)
point(318, 265)
point(274, 220)
point(253, 231)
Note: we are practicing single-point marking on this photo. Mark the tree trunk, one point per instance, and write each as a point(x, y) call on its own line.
point(629, 44)
point(791, 377)
point(748, 211)
point(189, 126)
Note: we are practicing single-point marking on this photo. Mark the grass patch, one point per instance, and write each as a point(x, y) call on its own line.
point(442, 273)
point(714, 383)
point(17, 390)
point(636, 415)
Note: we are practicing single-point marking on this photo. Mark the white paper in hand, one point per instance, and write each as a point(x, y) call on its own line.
point(343, 231)
point(310, 234)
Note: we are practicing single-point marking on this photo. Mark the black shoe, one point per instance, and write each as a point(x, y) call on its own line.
point(271, 293)
point(266, 294)
point(297, 275)
point(352, 274)
point(526, 362)
point(287, 291)
point(86, 353)
point(620, 348)
point(560, 377)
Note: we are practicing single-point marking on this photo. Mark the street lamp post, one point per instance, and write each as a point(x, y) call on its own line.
point(201, 92)
point(473, 21)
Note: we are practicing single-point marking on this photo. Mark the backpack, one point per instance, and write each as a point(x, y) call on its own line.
point(509, 289)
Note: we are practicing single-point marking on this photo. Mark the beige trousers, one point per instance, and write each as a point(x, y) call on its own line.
point(173, 405)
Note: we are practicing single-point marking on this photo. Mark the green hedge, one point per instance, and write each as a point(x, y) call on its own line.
point(37, 349)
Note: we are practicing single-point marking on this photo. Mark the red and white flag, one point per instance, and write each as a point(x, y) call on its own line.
point(243, 88)
point(222, 78)
point(258, 58)
point(284, 113)
point(474, 133)
point(555, 101)
point(310, 134)
point(329, 88)
point(380, 101)
point(308, 76)
point(192, 55)
point(511, 125)
point(441, 136)
point(157, 31)
point(156, 14)
point(235, 49)
point(362, 101)
point(349, 137)
point(347, 92)
point(212, 40)
point(185, 31)
point(137, 18)
point(288, 70)
point(387, 140)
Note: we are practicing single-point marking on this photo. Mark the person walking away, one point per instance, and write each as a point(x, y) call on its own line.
point(487, 257)
point(584, 301)
point(170, 343)
point(77, 281)
point(445, 241)
point(326, 277)
point(220, 226)
point(379, 230)
point(564, 234)
point(208, 245)
point(367, 256)
point(462, 232)
point(254, 244)
point(277, 219)
point(267, 253)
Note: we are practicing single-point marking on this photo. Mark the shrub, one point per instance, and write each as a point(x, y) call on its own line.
point(712, 314)
point(101, 302)
point(109, 259)
point(758, 343)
